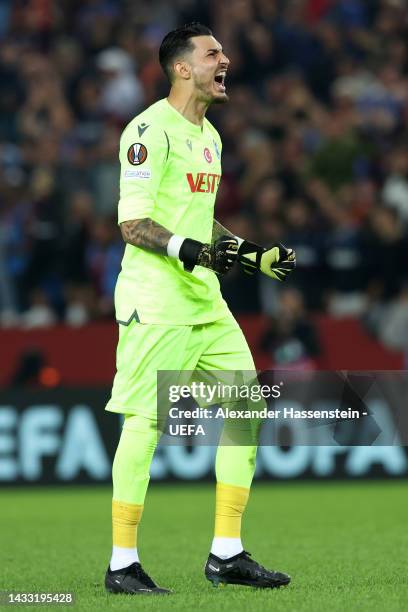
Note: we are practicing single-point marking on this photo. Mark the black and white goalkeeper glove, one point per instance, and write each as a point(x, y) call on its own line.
point(219, 256)
point(276, 262)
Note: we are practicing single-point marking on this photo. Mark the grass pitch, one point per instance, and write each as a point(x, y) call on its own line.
point(345, 546)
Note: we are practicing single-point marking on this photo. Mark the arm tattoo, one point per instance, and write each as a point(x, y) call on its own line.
point(146, 234)
point(219, 230)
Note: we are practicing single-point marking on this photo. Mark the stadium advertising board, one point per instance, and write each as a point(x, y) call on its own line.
point(65, 436)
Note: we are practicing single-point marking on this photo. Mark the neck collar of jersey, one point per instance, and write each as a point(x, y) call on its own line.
point(197, 129)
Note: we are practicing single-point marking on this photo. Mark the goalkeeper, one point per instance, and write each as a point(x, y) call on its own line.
point(168, 303)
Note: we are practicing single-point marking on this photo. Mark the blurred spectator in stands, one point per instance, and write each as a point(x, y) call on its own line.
point(5, 13)
point(268, 206)
point(15, 247)
point(267, 203)
point(8, 302)
point(292, 160)
point(360, 198)
point(44, 232)
point(45, 110)
point(305, 235)
point(89, 111)
point(291, 339)
point(122, 93)
point(392, 325)
point(258, 155)
point(261, 55)
point(39, 312)
point(68, 59)
point(76, 237)
point(80, 297)
point(342, 148)
point(395, 190)
point(346, 274)
point(380, 104)
point(81, 305)
point(387, 253)
point(103, 258)
point(104, 173)
point(11, 89)
point(95, 21)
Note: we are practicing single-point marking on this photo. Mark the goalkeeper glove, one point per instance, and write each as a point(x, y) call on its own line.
point(276, 262)
point(219, 256)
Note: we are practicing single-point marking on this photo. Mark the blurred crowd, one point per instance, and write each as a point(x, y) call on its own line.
point(315, 154)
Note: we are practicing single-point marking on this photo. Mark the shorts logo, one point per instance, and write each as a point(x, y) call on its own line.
point(137, 154)
point(207, 155)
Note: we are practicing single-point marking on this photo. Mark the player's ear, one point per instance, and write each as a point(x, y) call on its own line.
point(182, 69)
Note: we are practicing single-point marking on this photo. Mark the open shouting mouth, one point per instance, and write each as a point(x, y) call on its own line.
point(219, 80)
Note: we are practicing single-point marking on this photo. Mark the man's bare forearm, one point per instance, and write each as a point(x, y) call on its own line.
point(219, 230)
point(146, 234)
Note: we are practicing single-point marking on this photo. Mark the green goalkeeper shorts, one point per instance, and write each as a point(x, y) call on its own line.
point(143, 349)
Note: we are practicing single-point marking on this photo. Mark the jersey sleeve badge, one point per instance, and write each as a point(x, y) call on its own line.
point(137, 154)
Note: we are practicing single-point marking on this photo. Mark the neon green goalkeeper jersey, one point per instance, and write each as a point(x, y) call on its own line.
point(170, 172)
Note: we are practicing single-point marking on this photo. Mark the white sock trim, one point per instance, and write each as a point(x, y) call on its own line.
point(224, 548)
point(123, 557)
point(174, 246)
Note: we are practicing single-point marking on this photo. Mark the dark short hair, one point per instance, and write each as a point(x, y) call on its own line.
point(178, 41)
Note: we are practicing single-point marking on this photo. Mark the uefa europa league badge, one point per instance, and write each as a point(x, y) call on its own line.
point(137, 154)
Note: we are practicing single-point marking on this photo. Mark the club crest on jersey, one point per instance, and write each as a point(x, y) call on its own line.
point(207, 155)
point(217, 149)
point(137, 154)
